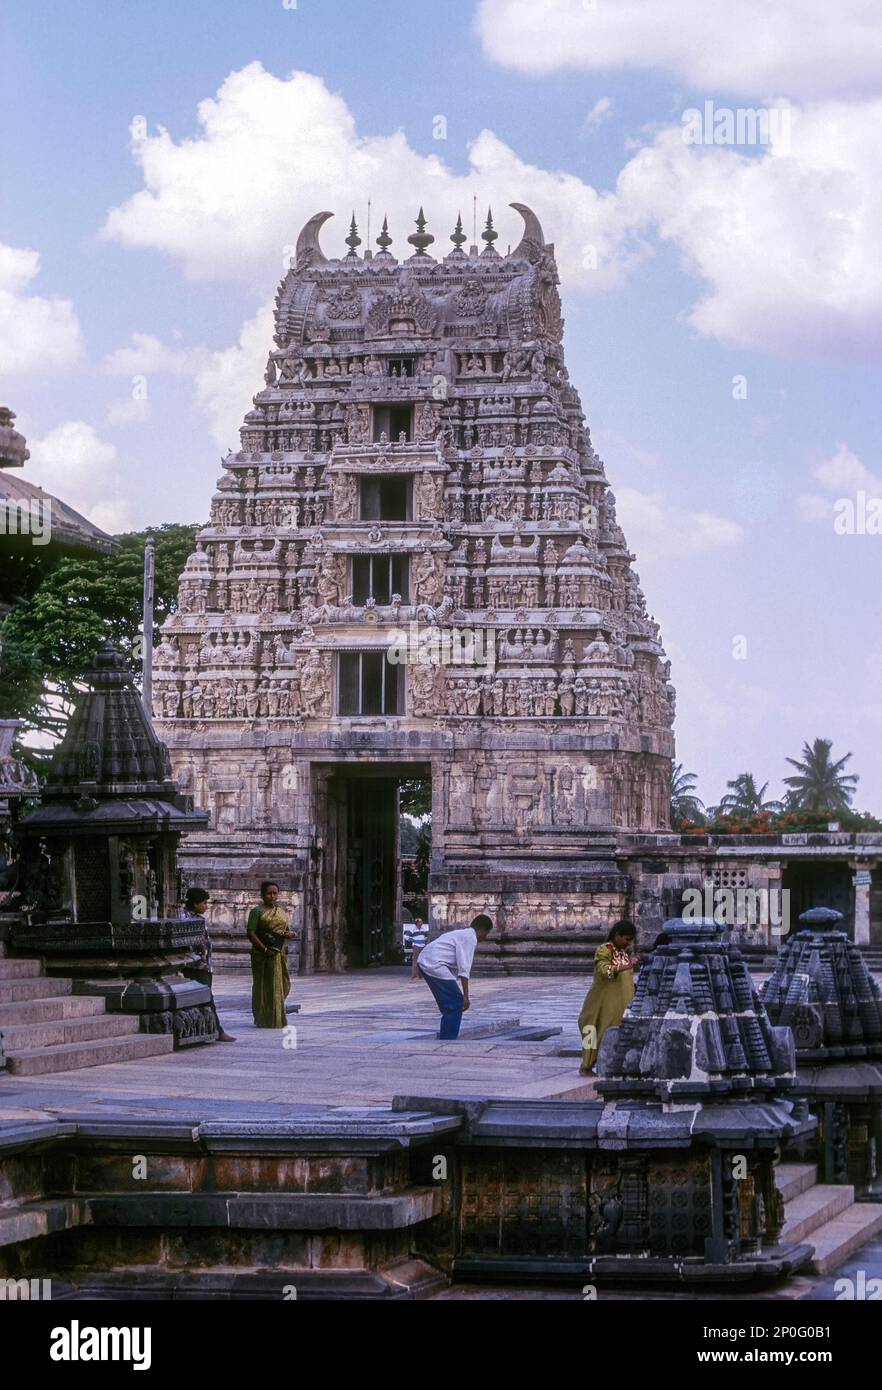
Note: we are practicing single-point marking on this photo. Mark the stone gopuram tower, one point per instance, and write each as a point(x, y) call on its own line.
point(413, 568)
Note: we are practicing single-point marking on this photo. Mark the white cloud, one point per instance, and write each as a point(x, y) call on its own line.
point(784, 242)
point(659, 529)
point(812, 508)
point(147, 354)
point(35, 333)
point(75, 464)
point(230, 202)
point(130, 410)
point(805, 48)
point(225, 379)
point(841, 475)
point(228, 379)
point(844, 472)
point(600, 113)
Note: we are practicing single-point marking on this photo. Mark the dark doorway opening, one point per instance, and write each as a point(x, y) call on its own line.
point(393, 421)
point(386, 498)
point(819, 884)
point(362, 876)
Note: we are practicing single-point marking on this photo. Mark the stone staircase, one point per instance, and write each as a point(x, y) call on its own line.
point(824, 1216)
point(45, 1027)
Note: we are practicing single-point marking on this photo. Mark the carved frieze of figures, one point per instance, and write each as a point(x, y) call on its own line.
point(429, 492)
point(428, 577)
point(344, 496)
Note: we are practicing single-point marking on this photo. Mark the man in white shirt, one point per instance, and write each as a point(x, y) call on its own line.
point(444, 961)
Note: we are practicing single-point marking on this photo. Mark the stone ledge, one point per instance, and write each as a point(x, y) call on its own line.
point(290, 1211)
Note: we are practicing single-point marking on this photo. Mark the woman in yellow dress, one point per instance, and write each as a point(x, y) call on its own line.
point(611, 992)
point(268, 932)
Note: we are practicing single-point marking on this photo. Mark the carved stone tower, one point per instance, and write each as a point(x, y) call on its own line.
point(413, 568)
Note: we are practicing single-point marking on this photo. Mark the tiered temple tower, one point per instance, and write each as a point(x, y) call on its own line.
point(413, 567)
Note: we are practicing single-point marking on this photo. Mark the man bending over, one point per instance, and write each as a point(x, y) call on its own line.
point(445, 961)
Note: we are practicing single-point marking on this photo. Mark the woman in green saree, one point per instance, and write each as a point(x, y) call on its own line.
point(610, 994)
point(268, 932)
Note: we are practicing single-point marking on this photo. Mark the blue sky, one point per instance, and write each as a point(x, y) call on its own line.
point(159, 260)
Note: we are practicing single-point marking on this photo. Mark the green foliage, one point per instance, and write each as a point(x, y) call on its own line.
point(819, 784)
point(745, 798)
point(415, 797)
point(49, 642)
point(685, 805)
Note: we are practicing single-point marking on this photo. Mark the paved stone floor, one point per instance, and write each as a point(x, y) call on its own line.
point(360, 1039)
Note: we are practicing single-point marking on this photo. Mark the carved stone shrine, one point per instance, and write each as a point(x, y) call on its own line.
point(98, 888)
point(822, 990)
point(671, 1174)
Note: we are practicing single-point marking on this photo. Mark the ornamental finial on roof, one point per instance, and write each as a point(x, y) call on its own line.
point(458, 236)
point(353, 238)
point(489, 235)
point(420, 239)
point(384, 241)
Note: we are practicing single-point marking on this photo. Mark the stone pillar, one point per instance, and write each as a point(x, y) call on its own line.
point(862, 879)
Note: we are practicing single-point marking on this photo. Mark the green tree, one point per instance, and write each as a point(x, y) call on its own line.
point(48, 643)
point(745, 798)
point(685, 805)
point(819, 784)
point(415, 797)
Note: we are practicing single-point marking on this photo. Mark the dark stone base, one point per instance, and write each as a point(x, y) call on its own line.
point(630, 1269)
point(400, 1283)
point(191, 1027)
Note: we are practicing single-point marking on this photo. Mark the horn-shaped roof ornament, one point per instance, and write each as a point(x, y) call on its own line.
point(533, 233)
point(308, 250)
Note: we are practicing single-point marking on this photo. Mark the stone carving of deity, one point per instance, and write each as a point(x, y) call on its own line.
point(427, 577)
point(314, 686)
point(344, 494)
point(567, 694)
point(428, 495)
point(331, 579)
point(424, 689)
point(460, 807)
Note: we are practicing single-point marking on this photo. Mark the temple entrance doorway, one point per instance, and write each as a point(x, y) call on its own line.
point(366, 815)
point(819, 884)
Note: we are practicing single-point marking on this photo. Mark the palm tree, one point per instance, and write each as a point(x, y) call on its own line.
point(745, 798)
point(820, 785)
point(685, 805)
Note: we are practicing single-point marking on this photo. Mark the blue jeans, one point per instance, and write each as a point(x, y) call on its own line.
point(449, 998)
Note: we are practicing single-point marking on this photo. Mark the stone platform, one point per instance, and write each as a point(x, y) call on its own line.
point(360, 1039)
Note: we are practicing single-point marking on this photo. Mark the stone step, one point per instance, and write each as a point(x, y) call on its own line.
point(24, 1037)
point(48, 1010)
point(36, 1219)
point(20, 969)
point(70, 1056)
point(812, 1209)
point(837, 1240)
point(13, 991)
point(268, 1211)
point(793, 1178)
